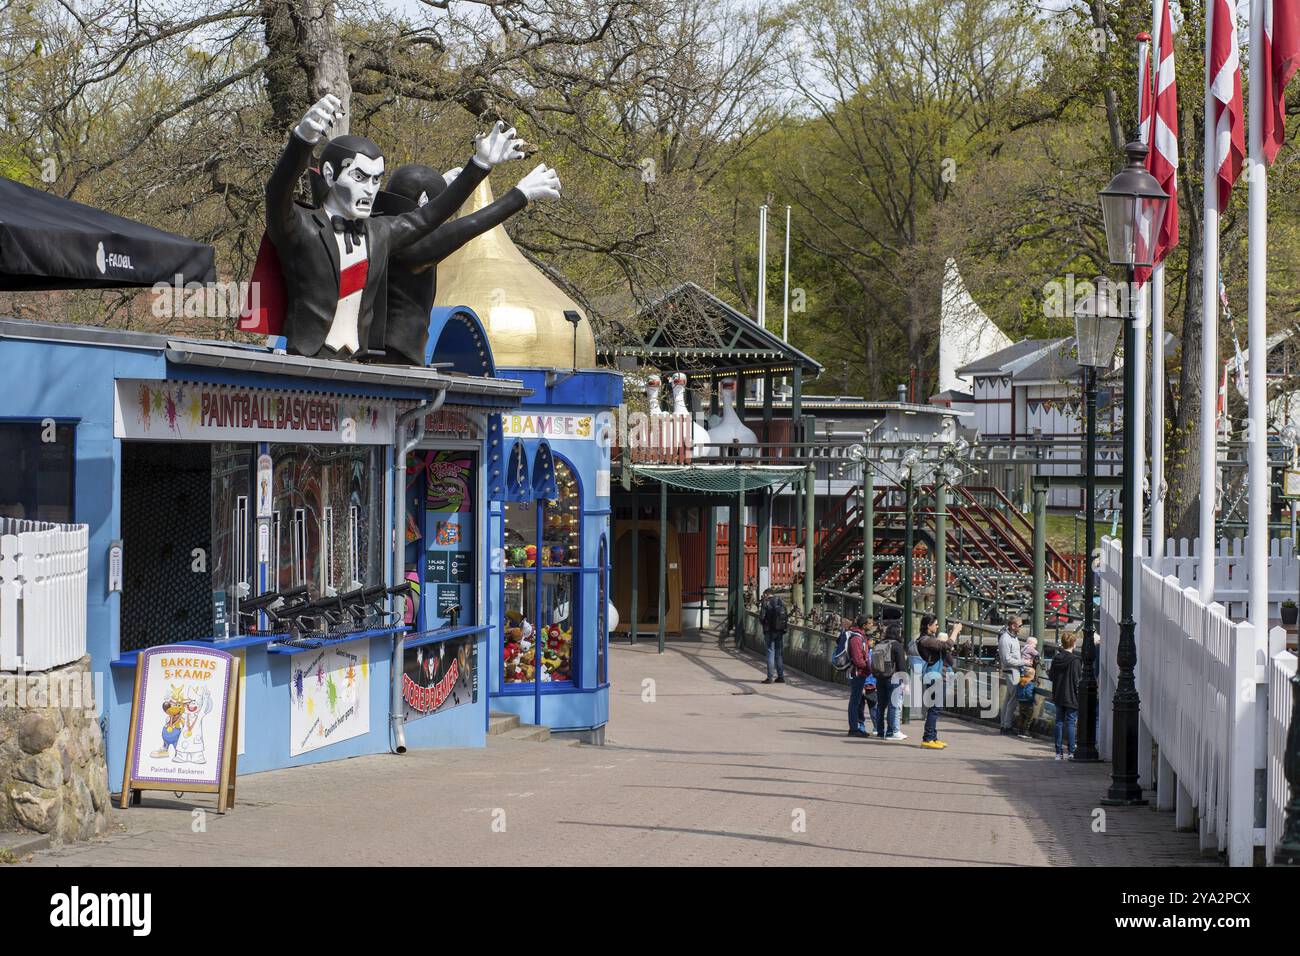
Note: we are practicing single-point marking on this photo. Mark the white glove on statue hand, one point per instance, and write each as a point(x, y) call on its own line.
point(450, 175)
point(541, 183)
point(320, 118)
point(497, 146)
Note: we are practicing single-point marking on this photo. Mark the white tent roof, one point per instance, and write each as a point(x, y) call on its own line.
point(965, 332)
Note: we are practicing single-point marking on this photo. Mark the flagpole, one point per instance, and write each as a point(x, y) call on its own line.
point(1260, 483)
point(1157, 323)
point(1209, 330)
point(1135, 470)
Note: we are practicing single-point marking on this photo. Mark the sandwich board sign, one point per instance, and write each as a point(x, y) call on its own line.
point(184, 723)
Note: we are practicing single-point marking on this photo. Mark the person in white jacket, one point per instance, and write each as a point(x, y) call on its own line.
point(1010, 661)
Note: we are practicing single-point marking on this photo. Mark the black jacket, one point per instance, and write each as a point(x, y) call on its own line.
point(304, 240)
point(413, 279)
point(1065, 674)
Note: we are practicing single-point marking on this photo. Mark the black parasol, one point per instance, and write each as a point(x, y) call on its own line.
point(47, 242)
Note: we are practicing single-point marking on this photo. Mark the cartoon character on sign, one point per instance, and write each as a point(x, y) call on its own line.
point(190, 747)
point(174, 708)
point(448, 533)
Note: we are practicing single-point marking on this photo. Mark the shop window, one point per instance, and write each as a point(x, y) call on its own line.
point(312, 487)
point(602, 613)
point(541, 543)
point(166, 503)
point(36, 481)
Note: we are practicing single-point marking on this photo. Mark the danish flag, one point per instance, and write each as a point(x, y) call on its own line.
point(1162, 160)
point(1224, 72)
point(1281, 56)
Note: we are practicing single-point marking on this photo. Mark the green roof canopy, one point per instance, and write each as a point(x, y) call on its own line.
point(720, 479)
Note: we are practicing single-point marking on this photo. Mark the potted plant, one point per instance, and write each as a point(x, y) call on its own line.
point(1289, 613)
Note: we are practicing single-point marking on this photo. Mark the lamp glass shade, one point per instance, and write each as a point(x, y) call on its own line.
point(1133, 208)
point(1096, 335)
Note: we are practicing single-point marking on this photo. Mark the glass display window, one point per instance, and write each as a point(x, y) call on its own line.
point(519, 610)
point(602, 613)
point(541, 584)
point(327, 516)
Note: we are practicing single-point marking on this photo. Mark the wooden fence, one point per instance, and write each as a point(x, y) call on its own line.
point(1281, 668)
point(42, 594)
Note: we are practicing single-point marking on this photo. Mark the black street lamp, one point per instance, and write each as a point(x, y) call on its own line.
point(1132, 206)
point(1097, 328)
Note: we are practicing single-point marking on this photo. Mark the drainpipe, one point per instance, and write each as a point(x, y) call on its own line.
point(402, 446)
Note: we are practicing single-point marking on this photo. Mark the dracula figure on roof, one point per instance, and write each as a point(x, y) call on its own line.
point(335, 257)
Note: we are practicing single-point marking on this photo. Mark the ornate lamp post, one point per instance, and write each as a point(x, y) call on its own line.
point(1096, 330)
point(1132, 204)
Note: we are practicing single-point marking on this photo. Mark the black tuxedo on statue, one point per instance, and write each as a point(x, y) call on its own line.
point(308, 251)
point(413, 274)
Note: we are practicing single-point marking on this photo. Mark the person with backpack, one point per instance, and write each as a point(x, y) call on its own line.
point(870, 632)
point(936, 653)
point(774, 617)
point(1066, 673)
point(889, 667)
point(859, 671)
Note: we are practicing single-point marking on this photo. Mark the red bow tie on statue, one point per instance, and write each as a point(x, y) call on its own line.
point(354, 230)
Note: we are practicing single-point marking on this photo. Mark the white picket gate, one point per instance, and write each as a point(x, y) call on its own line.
point(1201, 682)
point(1281, 668)
point(42, 594)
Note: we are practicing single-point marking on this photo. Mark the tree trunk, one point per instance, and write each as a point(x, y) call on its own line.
point(306, 61)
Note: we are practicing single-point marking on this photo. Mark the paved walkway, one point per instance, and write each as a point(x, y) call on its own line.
point(718, 769)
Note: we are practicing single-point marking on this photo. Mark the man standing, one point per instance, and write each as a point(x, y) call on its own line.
point(774, 618)
point(859, 674)
point(1010, 660)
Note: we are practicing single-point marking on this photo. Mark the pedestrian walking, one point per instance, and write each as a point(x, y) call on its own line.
point(1066, 672)
point(889, 667)
point(774, 618)
point(936, 652)
point(1010, 662)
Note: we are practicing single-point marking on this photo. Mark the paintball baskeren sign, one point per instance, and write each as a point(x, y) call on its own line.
point(183, 722)
point(438, 677)
point(197, 411)
point(329, 689)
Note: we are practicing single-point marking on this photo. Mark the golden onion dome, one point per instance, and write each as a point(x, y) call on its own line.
point(522, 310)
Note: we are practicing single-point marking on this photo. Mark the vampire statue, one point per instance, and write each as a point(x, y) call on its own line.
point(413, 271)
point(335, 257)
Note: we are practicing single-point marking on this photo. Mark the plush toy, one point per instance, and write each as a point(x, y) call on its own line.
point(530, 556)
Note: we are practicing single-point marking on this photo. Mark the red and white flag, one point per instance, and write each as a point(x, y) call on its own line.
point(1224, 70)
point(1162, 160)
point(1281, 56)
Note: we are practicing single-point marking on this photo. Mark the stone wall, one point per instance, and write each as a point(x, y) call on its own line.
point(53, 776)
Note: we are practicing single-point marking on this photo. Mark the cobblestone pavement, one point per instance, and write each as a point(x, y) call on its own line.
point(718, 769)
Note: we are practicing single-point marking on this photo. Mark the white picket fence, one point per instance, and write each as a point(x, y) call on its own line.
point(1231, 572)
point(1281, 668)
point(1204, 694)
point(42, 594)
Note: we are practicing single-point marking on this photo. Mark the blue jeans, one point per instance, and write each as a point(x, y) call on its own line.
point(774, 655)
point(932, 696)
point(855, 704)
point(887, 696)
point(1067, 719)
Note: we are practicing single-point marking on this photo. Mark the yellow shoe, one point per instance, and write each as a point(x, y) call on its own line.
point(932, 745)
point(941, 744)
